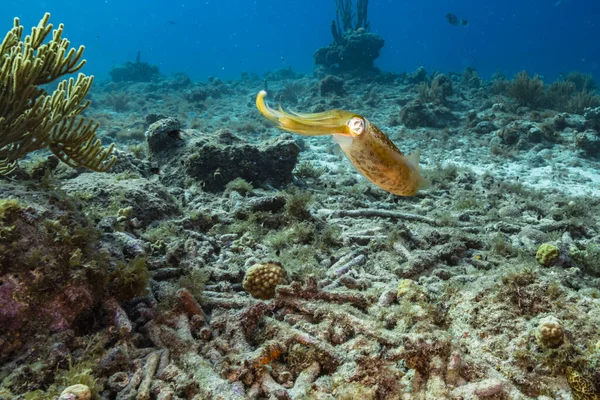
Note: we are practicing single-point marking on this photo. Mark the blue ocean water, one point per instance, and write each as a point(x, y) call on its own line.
point(224, 38)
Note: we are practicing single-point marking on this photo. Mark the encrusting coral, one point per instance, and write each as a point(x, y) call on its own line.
point(30, 118)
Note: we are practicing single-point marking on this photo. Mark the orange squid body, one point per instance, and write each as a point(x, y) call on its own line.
point(367, 148)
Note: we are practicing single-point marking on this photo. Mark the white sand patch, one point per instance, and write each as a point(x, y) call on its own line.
point(574, 181)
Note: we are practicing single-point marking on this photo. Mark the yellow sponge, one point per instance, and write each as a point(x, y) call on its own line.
point(547, 254)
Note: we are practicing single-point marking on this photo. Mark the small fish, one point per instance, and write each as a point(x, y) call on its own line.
point(171, 22)
point(454, 20)
point(367, 148)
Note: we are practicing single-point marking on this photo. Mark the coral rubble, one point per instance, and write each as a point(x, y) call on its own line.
point(221, 259)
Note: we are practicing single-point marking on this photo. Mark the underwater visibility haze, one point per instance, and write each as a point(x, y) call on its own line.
point(333, 199)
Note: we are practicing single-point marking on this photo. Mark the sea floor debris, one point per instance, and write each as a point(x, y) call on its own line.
point(485, 286)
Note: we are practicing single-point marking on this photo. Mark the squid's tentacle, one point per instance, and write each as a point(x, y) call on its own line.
point(331, 122)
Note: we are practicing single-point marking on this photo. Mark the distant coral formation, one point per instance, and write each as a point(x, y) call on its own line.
point(356, 51)
point(30, 118)
point(354, 48)
point(137, 71)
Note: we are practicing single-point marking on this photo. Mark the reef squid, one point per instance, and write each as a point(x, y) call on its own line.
point(368, 149)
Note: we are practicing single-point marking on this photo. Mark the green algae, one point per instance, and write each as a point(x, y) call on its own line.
point(240, 186)
point(129, 280)
point(308, 170)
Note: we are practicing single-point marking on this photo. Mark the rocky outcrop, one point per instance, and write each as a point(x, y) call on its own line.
point(216, 159)
point(355, 51)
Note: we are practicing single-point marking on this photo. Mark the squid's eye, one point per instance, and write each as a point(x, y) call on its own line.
point(356, 125)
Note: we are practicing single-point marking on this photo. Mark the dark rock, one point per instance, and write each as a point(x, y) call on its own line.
point(559, 122)
point(332, 85)
point(152, 118)
point(214, 88)
point(418, 114)
point(149, 200)
point(531, 238)
point(282, 74)
point(442, 273)
point(592, 116)
point(420, 75)
point(470, 78)
point(165, 274)
point(576, 122)
point(219, 159)
point(214, 160)
point(197, 94)
point(128, 163)
point(514, 132)
point(134, 72)
point(270, 203)
point(164, 135)
point(588, 141)
point(485, 127)
point(535, 135)
point(441, 88)
point(178, 81)
point(131, 246)
point(108, 224)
